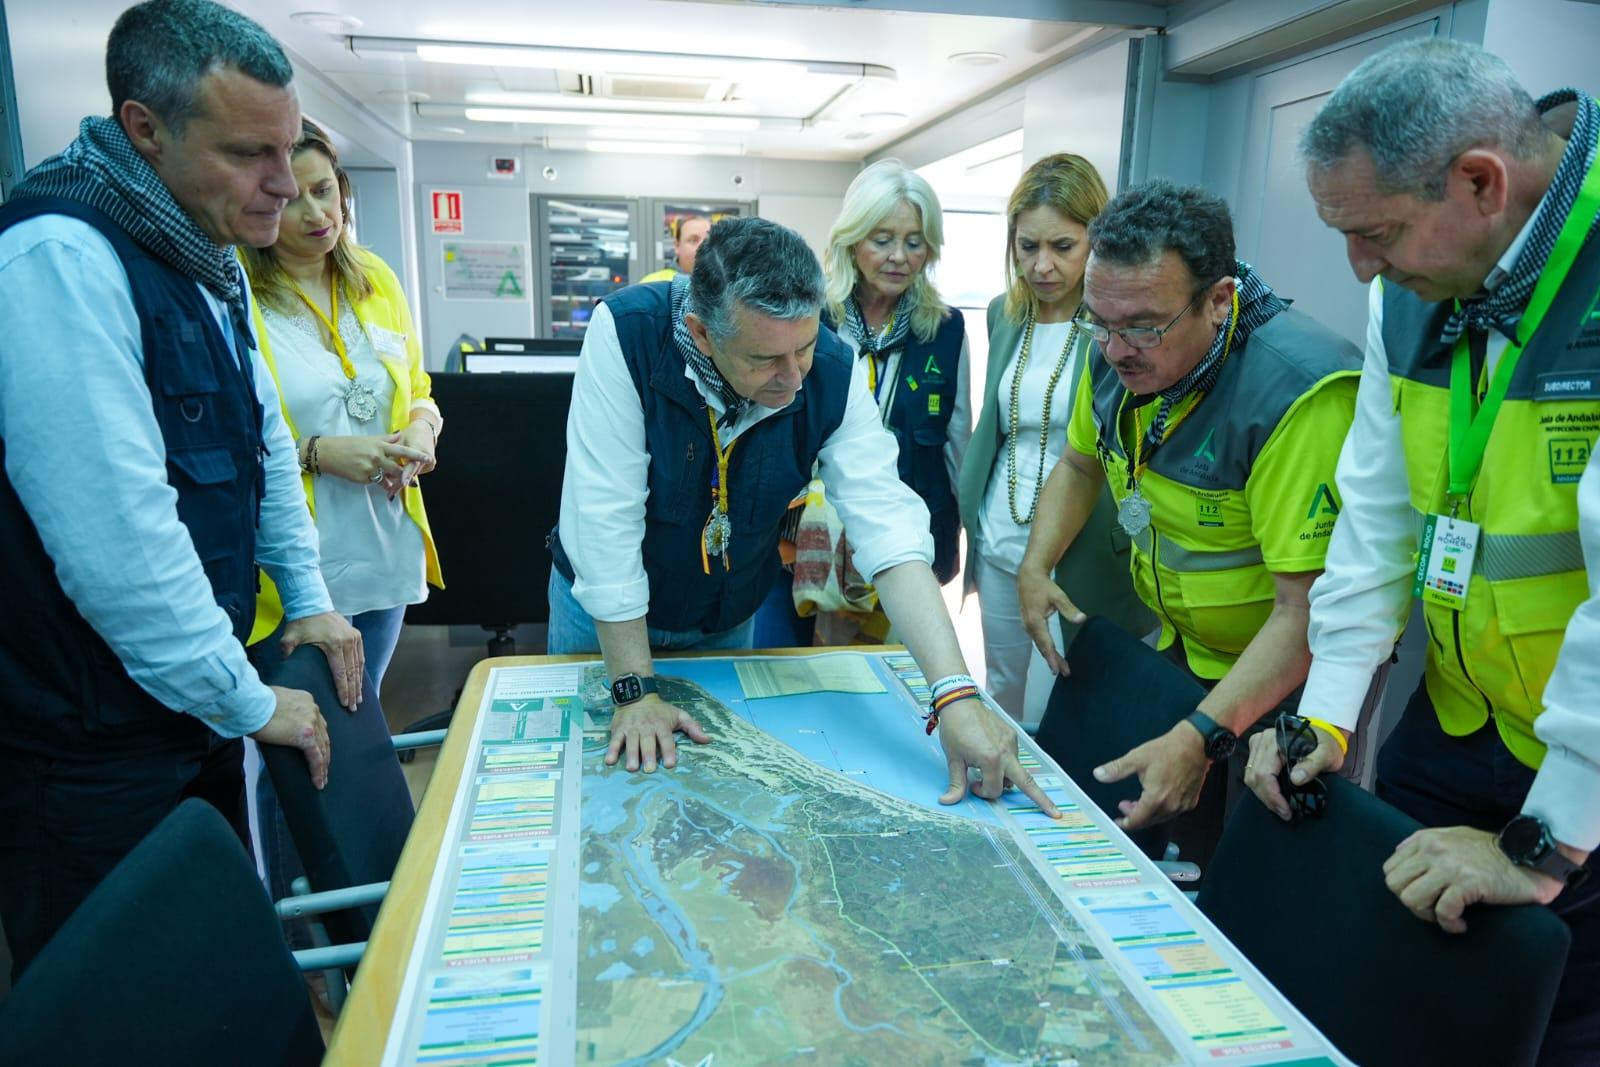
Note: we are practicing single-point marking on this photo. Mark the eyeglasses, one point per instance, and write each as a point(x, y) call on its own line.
point(1297, 739)
point(1136, 336)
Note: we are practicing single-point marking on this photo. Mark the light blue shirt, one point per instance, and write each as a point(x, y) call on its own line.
point(86, 458)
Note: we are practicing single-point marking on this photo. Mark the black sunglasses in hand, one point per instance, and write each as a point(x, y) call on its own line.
point(1297, 739)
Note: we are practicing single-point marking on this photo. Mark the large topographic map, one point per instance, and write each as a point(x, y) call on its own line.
point(754, 907)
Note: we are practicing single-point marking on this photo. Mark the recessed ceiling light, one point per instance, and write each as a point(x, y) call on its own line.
point(884, 120)
point(330, 22)
point(858, 135)
point(976, 59)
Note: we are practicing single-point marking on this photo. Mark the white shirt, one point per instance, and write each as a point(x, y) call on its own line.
point(960, 430)
point(85, 455)
point(1000, 538)
point(372, 553)
point(604, 491)
point(1361, 602)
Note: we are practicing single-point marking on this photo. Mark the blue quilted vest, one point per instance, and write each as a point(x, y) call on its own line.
point(55, 670)
point(771, 464)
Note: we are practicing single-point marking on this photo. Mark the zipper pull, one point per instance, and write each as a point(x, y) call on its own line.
point(690, 457)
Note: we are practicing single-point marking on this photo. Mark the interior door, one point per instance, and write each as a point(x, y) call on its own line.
point(1276, 223)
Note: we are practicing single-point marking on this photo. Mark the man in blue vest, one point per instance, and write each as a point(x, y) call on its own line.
point(699, 409)
point(147, 470)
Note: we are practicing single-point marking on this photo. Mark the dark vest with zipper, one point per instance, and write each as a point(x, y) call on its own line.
point(56, 671)
point(770, 465)
point(919, 418)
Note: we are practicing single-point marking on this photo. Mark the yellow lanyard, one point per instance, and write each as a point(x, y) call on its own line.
point(1140, 460)
point(719, 493)
point(872, 357)
point(331, 327)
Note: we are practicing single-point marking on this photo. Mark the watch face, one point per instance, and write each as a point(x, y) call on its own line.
point(1523, 839)
point(626, 690)
point(1220, 746)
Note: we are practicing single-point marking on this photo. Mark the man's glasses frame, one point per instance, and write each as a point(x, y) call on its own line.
point(1297, 739)
point(1137, 336)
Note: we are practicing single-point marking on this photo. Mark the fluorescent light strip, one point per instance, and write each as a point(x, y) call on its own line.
point(645, 148)
point(550, 117)
point(479, 53)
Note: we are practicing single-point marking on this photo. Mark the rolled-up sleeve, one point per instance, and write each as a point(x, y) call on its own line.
point(1566, 792)
point(604, 490)
point(85, 456)
point(886, 522)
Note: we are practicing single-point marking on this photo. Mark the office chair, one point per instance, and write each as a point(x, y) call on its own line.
point(1120, 693)
point(174, 959)
point(1307, 904)
point(349, 834)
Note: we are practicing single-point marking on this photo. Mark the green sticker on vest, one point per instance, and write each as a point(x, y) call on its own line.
point(1568, 458)
point(1204, 451)
point(1208, 512)
point(933, 403)
point(1322, 502)
point(911, 383)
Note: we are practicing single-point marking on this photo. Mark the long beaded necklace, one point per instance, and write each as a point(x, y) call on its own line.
point(1044, 419)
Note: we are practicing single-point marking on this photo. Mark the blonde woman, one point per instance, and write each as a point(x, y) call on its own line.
point(911, 352)
point(336, 331)
point(1035, 358)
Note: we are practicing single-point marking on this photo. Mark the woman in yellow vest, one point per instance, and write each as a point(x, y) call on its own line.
point(336, 332)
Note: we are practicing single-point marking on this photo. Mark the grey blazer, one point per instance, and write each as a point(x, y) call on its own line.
point(1095, 571)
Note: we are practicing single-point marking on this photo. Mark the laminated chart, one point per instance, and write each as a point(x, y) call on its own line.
point(794, 892)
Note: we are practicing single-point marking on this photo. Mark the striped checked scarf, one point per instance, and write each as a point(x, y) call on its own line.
point(733, 404)
point(1502, 309)
point(1257, 305)
point(868, 341)
point(102, 169)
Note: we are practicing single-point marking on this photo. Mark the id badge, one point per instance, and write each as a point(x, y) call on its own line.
point(388, 343)
point(1444, 562)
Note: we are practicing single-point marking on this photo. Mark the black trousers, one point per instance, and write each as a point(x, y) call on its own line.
point(71, 809)
point(1475, 781)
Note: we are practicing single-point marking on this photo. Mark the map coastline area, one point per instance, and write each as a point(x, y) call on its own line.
point(792, 893)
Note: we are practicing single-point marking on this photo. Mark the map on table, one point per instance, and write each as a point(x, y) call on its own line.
point(793, 893)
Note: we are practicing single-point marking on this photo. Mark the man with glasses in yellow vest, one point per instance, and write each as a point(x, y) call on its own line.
point(1217, 413)
point(1468, 482)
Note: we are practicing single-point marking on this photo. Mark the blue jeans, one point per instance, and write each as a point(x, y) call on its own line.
point(1475, 781)
point(380, 633)
point(572, 632)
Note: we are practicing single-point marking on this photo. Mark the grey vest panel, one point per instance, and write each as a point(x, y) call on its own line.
point(1217, 445)
point(1560, 362)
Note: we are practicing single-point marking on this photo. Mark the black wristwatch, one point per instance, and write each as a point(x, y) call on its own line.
point(1220, 741)
point(1526, 841)
point(630, 689)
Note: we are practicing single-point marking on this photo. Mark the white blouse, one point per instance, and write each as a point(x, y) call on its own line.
point(1001, 540)
point(372, 552)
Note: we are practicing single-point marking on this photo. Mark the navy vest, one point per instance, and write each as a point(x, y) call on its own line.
point(771, 464)
point(53, 665)
point(919, 418)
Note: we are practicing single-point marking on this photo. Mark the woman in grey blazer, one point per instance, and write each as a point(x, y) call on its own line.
point(1036, 355)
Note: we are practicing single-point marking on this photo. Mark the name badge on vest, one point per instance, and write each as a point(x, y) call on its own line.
point(1444, 563)
point(387, 343)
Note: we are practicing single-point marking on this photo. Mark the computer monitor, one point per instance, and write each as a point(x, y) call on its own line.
point(495, 496)
point(524, 355)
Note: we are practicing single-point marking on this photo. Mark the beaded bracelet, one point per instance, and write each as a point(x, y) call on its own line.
point(308, 460)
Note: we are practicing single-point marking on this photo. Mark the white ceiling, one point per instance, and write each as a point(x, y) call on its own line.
point(915, 46)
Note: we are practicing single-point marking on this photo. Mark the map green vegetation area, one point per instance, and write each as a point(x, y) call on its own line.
point(754, 907)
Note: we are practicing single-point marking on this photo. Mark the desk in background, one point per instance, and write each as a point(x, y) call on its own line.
point(786, 905)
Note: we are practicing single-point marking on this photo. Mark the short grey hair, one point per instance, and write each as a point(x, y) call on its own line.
point(757, 264)
point(1143, 223)
point(160, 50)
point(1417, 105)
